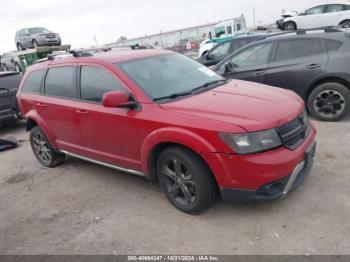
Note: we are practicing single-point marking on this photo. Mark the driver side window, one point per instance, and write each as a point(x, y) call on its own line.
point(254, 55)
point(315, 10)
point(221, 50)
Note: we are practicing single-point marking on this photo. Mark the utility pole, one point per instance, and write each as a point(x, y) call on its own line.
point(253, 15)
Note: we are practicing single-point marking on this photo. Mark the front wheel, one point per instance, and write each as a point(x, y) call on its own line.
point(186, 180)
point(329, 102)
point(42, 149)
point(289, 26)
point(35, 44)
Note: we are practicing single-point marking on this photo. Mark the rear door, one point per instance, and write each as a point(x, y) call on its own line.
point(248, 64)
point(334, 14)
point(57, 107)
point(296, 63)
point(108, 133)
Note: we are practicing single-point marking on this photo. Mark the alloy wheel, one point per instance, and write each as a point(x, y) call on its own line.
point(42, 148)
point(329, 103)
point(179, 182)
point(346, 24)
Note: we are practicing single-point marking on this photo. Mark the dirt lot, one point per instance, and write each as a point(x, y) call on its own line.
point(81, 208)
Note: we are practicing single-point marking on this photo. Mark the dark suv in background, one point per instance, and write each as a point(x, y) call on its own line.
point(34, 37)
point(223, 49)
point(314, 63)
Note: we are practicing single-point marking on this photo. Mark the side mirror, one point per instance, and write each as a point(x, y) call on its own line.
point(229, 67)
point(117, 99)
point(210, 57)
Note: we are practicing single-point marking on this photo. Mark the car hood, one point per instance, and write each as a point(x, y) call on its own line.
point(249, 105)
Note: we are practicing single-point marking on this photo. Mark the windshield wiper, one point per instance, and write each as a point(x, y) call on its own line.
point(173, 96)
point(186, 93)
point(4, 88)
point(209, 84)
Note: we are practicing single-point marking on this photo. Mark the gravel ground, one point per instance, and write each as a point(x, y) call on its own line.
point(81, 208)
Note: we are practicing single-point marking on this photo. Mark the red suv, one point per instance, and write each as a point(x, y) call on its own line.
point(163, 116)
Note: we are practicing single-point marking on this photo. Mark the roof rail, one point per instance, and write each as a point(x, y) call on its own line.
point(77, 53)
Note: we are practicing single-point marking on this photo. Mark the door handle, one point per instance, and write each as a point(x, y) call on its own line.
point(82, 112)
point(259, 72)
point(41, 105)
point(313, 66)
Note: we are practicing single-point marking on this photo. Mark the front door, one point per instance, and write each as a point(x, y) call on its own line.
point(108, 133)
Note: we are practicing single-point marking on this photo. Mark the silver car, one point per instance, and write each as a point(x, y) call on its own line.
point(10, 62)
point(36, 36)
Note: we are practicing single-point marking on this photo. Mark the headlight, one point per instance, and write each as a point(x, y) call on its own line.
point(250, 143)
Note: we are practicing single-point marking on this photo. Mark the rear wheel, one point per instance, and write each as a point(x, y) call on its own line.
point(42, 149)
point(186, 180)
point(290, 26)
point(19, 47)
point(329, 102)
point(345, 24)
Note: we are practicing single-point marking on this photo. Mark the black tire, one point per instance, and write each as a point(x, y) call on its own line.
point(345, 24)
point(42, 149)
point(329, 102)
point(20, 47)
point(186, 180)
point(290, 26)
point(18, 68)
point(35, 43)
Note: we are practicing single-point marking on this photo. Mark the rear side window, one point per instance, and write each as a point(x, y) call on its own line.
point(335, 8)
point(95, 82)
point(298, 48)
point(61, 82)
point(333, 45)
point(33, 82)
point(347, 7)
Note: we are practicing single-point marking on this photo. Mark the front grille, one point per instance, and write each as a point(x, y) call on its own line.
point(294, 132)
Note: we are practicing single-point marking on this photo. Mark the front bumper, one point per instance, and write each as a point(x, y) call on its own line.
point(49, 41)
point(274, 189)
point(263, 176)
point(280, 24)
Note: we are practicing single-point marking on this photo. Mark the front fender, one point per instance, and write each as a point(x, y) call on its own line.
point(179, 136)
point(33, 115)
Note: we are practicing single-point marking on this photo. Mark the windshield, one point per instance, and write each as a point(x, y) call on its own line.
point(38, 30)
point(164, 75)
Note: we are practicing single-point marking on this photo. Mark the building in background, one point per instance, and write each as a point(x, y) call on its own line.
point(180, 40)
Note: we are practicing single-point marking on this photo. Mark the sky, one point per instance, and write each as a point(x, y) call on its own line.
point(77, 21)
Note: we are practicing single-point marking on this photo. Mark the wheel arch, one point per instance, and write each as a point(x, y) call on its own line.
point(159, 140)
point(342, 21)
point(328, 79)
point(33, 120)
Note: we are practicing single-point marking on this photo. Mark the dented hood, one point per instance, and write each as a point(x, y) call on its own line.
point(249, 105)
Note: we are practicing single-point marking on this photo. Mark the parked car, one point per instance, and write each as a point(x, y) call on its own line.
point(161, 115)
point(34, 37)
point(331, 14)
point(315, 65)
point(10, 61)
point(9, 83)
point(222, 50)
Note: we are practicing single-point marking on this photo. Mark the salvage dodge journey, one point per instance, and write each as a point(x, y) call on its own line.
point(161, 115)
